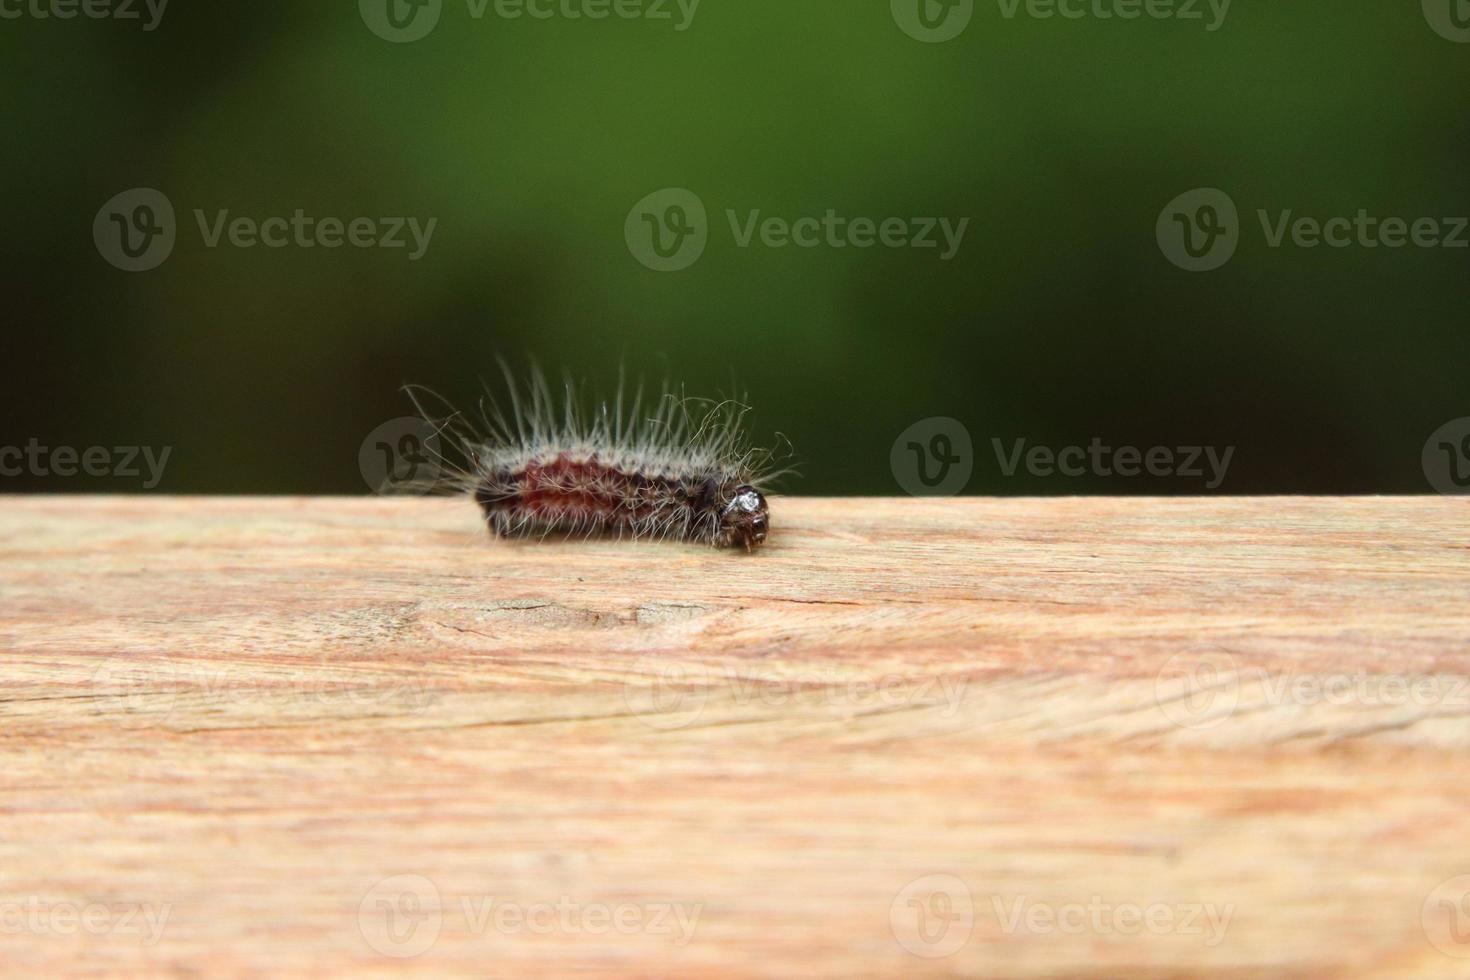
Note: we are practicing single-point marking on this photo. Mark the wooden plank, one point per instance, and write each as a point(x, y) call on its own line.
point(1040, 737)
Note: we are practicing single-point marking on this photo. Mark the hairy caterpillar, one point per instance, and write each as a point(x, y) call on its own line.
point(683, 469)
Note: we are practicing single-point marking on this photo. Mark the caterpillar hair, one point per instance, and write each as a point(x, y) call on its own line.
point(675, 468)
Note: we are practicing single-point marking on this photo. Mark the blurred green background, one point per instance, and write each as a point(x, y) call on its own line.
point(529, 140)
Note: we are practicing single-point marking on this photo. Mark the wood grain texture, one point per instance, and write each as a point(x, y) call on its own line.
point(1044, 737)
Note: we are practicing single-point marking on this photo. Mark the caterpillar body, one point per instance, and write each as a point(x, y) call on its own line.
point(682, 470)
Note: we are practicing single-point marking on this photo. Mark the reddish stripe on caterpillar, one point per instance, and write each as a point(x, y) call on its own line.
point(683, 470)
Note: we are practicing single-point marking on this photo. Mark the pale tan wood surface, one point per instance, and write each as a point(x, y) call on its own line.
point(1122, 737)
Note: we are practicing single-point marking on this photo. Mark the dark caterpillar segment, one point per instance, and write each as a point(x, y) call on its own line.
point(567, 494)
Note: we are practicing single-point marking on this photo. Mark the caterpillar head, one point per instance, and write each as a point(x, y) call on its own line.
point(745, 520)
